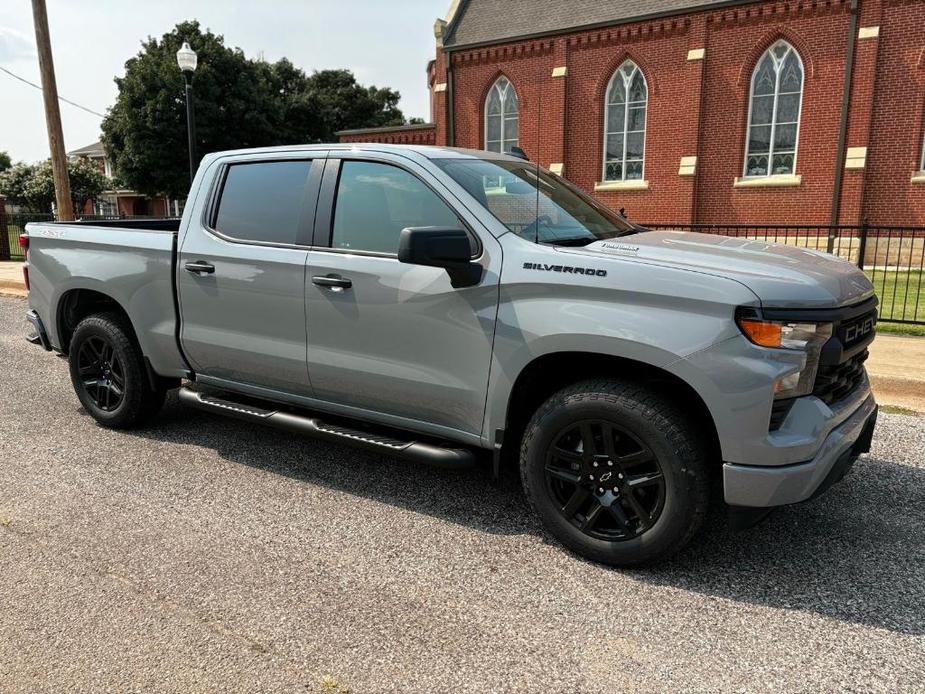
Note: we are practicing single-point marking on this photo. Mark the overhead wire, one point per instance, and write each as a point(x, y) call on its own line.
point(60, 98)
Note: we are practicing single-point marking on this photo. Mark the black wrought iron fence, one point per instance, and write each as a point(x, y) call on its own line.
point(893, 257)
point(15, 225)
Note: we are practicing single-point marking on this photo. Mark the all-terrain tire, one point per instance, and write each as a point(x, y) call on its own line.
point(130, 400)
point(640, 423)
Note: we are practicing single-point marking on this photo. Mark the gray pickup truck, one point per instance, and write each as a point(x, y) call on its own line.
point(453, 306)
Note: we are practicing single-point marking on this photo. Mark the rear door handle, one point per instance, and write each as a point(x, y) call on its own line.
point(200, 267)
point(333, 282)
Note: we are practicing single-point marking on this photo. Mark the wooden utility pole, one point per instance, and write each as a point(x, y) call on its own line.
point(63, 205)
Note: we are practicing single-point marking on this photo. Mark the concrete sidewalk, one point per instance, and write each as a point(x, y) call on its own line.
point(897, 371)
point(896, 365)
point(11, 281)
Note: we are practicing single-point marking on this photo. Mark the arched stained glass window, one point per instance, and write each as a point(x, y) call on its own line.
point(501, 117)
point(625, 124)
point(774, 112)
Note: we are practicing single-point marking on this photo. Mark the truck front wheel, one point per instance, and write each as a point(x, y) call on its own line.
point(615, 472)
point(108, 373)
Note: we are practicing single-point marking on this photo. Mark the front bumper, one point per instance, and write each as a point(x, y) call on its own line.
point(767, 486)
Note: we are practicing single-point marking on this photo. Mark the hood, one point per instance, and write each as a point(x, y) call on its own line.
point(781, 276)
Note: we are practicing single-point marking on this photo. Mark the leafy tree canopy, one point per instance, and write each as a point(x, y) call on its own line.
point(5, 161)
point(238, 102)
point(33, 187)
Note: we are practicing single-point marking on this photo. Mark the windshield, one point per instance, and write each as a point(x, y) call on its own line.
point(534, 203)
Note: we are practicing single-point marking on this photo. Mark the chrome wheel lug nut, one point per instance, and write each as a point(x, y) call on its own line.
point(600, 490)
point(595, 463)
point(609, 463)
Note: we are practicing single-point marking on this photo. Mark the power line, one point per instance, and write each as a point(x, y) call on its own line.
point(61, 98)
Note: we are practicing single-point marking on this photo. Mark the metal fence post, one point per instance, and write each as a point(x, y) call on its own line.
point(830, 246)
point(4, 235)
point(862, 247)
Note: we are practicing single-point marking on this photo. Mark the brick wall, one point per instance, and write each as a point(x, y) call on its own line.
point(660, 51)
point(735, 43)
point(698, 107)
point(400, 135)
point(890, 195)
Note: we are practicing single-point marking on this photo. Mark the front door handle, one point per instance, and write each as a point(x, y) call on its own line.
point(332, 282)
point(200, 267)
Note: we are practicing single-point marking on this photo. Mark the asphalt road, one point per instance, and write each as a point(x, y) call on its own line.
point(201, 554)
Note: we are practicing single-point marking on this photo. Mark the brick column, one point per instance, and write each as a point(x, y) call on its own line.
point(552, 130)
point(4, 235)
point(691, 160)
point(441, 81)
point(860, 114)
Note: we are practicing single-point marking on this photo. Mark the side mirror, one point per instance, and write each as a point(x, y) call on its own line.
point(446, 247)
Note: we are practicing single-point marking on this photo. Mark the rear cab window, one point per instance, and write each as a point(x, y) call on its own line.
point(262, 202)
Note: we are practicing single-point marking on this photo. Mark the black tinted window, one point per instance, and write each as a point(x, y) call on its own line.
point(263, 201)
point(376, 201)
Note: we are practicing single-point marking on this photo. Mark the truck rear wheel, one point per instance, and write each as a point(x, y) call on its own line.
point(108, 373)
point(615, 472)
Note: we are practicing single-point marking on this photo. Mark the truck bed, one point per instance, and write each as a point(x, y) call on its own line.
point(130, 261)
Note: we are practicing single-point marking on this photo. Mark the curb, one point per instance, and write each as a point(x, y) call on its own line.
point(12, 288)
point(901, 392)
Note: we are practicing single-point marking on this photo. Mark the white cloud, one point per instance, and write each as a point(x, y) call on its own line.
point(15, 45)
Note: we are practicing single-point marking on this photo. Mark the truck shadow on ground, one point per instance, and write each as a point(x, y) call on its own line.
point(856, 554)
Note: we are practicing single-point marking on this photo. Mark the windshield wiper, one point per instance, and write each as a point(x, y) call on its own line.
point(634, 229)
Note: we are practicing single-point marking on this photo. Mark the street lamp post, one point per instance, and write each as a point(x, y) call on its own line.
point(186, 59)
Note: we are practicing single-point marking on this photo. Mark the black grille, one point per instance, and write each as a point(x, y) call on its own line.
point(853, 332)
point(834, 383)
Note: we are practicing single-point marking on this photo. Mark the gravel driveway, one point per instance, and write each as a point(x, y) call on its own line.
point(204, 554)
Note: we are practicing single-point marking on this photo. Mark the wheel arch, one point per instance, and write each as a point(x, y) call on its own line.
point(76, 304)
point(79, 303)
point(548, 373)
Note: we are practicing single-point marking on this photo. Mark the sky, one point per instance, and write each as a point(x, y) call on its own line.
point(384, 42)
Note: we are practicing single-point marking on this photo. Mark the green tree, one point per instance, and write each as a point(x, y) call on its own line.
point(33, 187)
point(14, 184)
point(144, 133)
point(338, 102)
point(5, 161)
point(238, 102)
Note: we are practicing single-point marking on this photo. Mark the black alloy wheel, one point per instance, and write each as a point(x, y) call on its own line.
point(109, 373)
point(102, 374)
point(616, 471)
point(604, 480)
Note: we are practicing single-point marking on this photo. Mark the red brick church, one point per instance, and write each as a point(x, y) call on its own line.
point(694, 111)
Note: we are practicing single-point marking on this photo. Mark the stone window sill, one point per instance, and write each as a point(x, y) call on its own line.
point(779, 181)
point(918, 177)
point(634, 184)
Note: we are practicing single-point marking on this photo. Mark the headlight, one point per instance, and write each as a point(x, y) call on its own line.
point(805, 337)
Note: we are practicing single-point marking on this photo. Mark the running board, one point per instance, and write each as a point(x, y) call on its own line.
point(438, 456)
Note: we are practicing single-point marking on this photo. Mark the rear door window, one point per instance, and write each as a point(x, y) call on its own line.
point(376, 201)
point(263, 201)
